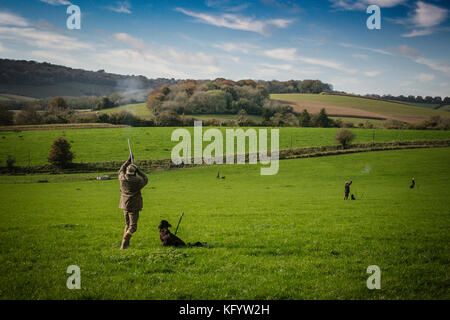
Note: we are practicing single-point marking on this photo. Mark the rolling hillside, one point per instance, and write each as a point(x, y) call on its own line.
point(358, 107)
point(43, 80)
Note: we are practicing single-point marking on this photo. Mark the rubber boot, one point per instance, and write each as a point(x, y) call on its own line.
point(125, 241)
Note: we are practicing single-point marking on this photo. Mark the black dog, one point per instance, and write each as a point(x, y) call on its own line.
point(169, 239)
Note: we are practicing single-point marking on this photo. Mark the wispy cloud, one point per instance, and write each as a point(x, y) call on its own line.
point(285, 4)
point(418, 33)
point(407, 52)
point(427, 15)
point(225, 5)
point(360, 56)
point(11, 19)
point(290, 54)
point(236, 47)
point(168, 61)
point(381, 51)
point(121, 7)
point(363, 4)
point(232, 21)
point(425, 77)
point(372, 73)
point(423, 20)
point(416, 56)
point(42, 39)
point(57, 2)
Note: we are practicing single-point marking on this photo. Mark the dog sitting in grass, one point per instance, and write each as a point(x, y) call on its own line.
point(167, 237)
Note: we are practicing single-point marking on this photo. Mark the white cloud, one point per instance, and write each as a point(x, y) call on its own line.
point(425, 77)
point(57, 2)
point(424, 19)
point(12, 20)
point(416, 56)
point(235, 47)
point(363, 4)
point(418, 33)
point(348, 45)
point(428, 15)
point(167, 62)
point(372, 73)
point(121, 7)
point(406, 51)
point(42, 39)
point(284, 67)
point(432, 64)
point(130, 40)
point(289, 54)
point(235, 22)
point(360, 56)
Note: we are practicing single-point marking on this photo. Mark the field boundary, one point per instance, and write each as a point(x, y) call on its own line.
point(61, 126)
point(284, 154)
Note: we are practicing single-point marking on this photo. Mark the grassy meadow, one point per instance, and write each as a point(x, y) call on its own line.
point(154, 143)
point(287, 236)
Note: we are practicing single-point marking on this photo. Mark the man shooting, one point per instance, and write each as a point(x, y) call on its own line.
point(131, 180)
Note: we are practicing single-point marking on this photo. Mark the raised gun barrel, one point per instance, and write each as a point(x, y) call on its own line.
point(131, 153)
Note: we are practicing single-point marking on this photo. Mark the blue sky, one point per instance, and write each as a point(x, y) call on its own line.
point(260, 39)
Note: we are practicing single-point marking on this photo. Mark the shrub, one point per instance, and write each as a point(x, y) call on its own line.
point(28, 115)
point(10, 161)
point(344, 137)
point(322, 120)
point(57, 104)
point(168, 118)
point(60, 154)
point(105, 103)
point(305, 119)
point(6, 116)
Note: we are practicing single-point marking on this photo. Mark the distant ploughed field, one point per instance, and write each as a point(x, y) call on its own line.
point(349, 106)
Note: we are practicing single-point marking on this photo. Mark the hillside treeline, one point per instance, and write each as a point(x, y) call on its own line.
point(296, 86)
point(222, 96)
point(17, 76)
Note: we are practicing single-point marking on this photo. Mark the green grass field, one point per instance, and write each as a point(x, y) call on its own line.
point(377, 106)
point(287, 236)
point(154, 143)
point(138, 109)
point(357, 121)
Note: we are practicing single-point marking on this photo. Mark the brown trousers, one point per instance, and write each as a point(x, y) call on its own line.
point(131, 219)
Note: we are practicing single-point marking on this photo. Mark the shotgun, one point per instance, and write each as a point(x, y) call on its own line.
point(179, 221)
point(131, 153)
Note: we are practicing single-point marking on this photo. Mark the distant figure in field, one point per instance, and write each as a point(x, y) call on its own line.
point(413, 183)
point(353, 197)
point(131, 181)
point(347, 189)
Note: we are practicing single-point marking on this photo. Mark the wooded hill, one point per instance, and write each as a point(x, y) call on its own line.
point(41, 80)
